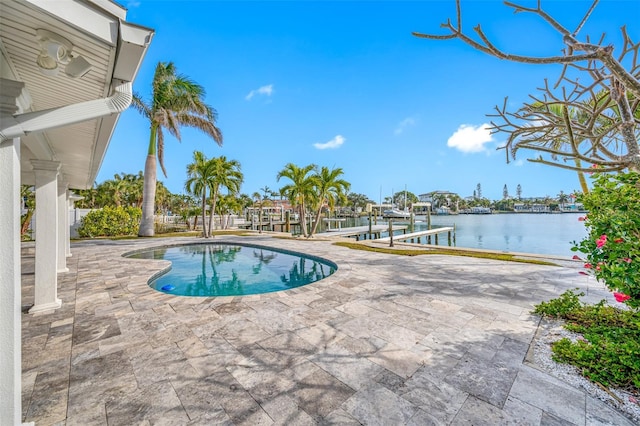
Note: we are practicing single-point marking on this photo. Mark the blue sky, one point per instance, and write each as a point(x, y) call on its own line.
point(345, 84)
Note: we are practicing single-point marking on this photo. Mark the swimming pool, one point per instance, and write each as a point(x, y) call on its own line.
point(225, 269)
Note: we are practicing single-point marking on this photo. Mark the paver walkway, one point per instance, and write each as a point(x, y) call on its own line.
point(386, 340)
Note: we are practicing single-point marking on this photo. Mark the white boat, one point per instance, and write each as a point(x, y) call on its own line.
point(396, 214)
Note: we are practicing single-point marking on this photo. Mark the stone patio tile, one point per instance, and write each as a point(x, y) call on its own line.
point(401, 361)
point(115, 309)
point(353, 371)
point(377, 405)
point(340, 417)
point(600, 414)
point(121, 342)
point(145, 361)
point(479, 413)
point(434, 396)
point(399, 336)
point(88, 328)
point(363, 346)
point(549, 394)
point(551, 420)
point(239, 333)
point(521, 412)
point(262, 381)
point(320, 335)
point(169, 335)
point(155, 404)
point(284, 411)
point(489, 382)
point(320, 393)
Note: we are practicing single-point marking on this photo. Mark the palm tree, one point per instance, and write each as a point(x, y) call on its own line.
point(224, 173)
point(198, 182)
point(562, 198)
point(300, 190)
point(257, 200)
point(175, 101)
point(331, 188)
point(226, 205)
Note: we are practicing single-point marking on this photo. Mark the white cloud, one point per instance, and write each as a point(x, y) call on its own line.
point(409, 121)
point(332, 144)
point(470, 139)
point(264, 90)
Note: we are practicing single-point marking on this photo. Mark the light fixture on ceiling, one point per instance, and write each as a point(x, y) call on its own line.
point(55, 51)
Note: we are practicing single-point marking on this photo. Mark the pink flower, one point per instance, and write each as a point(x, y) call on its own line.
point(588, 265)
point(601, 241)
point(576, 257)
point(626, 259)
point(582, 218)
point(621, 297)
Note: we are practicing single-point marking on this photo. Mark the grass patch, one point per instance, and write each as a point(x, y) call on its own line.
point(608, 352)
point(420, 252)
point(194, 234)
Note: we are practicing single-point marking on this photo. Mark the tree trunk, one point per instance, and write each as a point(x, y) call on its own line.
point(303, 220)
point(26, 221)
point(148, 198)
point(315, 225)
point(581, 178)
point(214, 196)
point(204, 214)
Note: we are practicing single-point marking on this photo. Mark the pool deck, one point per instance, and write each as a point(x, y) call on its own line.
point(388, 340)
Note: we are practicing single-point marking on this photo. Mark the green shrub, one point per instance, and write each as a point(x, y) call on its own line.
point(608, 352)
point(558, 308)
point(612, 247)
point(110, 222)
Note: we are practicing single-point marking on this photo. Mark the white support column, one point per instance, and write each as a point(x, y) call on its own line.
point(67, 246)
point(63, 225)
point(10, 272)
point(46, 274)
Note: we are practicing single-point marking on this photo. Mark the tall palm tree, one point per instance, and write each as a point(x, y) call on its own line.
point(257, 201)
point(330, 188)
point(175, 101)
point(199, 180)
point(300, 190)
point(224, 174)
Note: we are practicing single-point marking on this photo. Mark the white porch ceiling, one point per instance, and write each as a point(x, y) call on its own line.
point(115, 50)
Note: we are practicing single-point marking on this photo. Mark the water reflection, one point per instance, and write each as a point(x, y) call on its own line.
point(298, 274)
point(208, 281)
point(229, 270)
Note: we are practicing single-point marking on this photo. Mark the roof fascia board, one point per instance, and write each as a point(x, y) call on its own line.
point(113, 8)
point(133, 44)
point(103, 26)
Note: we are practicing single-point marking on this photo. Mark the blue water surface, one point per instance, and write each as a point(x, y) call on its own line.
point(233, 270)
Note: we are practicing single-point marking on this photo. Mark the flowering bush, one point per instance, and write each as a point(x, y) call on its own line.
point(612, 247)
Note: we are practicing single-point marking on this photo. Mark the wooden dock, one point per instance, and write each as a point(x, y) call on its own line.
point(373, 231)
point(419, 234)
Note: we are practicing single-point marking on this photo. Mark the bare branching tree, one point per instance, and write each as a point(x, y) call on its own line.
point(589, 116)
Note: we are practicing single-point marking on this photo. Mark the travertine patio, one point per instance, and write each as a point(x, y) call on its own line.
point(386, 340)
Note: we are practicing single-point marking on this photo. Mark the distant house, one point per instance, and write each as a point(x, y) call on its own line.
point(429, 196)
point(531, 208)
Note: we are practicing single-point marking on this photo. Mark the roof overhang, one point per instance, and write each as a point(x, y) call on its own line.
point(99, 33)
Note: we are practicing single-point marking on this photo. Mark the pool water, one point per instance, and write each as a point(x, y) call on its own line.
point(233, 270)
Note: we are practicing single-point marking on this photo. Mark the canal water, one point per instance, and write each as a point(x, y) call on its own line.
point(552, 234)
